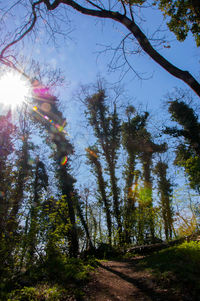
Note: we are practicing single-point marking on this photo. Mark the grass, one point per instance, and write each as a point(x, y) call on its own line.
point(177, 267)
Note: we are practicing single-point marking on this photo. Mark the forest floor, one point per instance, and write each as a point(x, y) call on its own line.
point(126, 281)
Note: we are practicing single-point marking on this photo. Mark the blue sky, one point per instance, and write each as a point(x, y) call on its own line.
point(77, 58)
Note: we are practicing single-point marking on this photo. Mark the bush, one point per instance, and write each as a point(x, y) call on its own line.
point(42, 292)
point(105, 251)
point(62, 275)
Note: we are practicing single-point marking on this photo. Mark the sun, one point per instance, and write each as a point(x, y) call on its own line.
point(14, 89)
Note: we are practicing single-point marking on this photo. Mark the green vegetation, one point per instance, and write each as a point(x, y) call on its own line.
point(41, 292)
point(177, 267)
point(183, 18)
point(47, 234)
point(56, 278)
point(55, 225)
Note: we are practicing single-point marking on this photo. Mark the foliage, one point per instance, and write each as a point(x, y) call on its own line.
point(61, 269)
point(107, 130)
point(184, 17)
point(188, 151)
point(42, 232)
point(45, 292)
point(177, 265)
point(56, 276)
point(41, 292)
point(191, 163)
point(187, 226)
point(106, 251)
point(165, 191)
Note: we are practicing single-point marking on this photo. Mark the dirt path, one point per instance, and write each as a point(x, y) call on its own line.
point(122, 281)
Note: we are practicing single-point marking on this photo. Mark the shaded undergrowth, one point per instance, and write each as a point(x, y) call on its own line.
point(177, 267)
point(55, 278)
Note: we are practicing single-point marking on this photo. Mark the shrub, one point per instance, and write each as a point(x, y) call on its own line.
point(41, 292)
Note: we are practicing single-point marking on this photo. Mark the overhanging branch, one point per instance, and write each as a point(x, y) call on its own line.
point(130, 24)
point(138, 34)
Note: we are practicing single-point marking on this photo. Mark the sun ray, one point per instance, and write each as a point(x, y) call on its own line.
point(14, 89)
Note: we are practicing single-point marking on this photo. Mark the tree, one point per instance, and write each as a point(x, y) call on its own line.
point(92, 154)
point(184, 17)
point(106, 127)
point(7, 129)
point(130, 138)
point(79, 207)
point(165, 191)
point(148, 149)
point(139, 144)
point(6, 149)
point(40, 183)
point(23, 171)
point(124, 16)
point(47, 113)
point(188, 150)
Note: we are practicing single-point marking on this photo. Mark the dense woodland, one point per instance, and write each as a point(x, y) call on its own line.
point(53, 229)
point(41, 226)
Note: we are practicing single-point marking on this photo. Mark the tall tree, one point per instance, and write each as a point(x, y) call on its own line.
point(165, 191)
point(106, 127)
point(146, 154)
point(92, 154)
point(7, 129)
point(130, 136)
point(84, 221)
point(188, 150)
point(23, 171)
point(40, 183)
point(6, 149)
point(46, 111)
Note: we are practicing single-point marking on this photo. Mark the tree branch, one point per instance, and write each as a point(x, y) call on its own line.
point(138, 34)
point(29, 29)
point(130, 24)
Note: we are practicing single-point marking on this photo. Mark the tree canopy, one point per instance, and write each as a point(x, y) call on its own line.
point(184, 17)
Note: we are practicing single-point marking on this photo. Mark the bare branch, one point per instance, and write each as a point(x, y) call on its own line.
point(30, 25)
point(116, 16)
point(139, 35)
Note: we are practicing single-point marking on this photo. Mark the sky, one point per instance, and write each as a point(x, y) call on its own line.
point(81, 62)
point(79, 58)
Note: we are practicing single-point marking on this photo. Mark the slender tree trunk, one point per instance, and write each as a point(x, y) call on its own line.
point(85, 225)
point(165, 190)
point(34, 216)
point(115, 193)
point(147, 162)
point(66, 182)
point(102, 189)
point(20, 185)
point(129, 198)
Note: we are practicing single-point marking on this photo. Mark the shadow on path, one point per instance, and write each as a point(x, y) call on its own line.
point(151, 293)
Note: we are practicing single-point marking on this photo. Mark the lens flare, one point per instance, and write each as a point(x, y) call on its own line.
point(63, 160)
